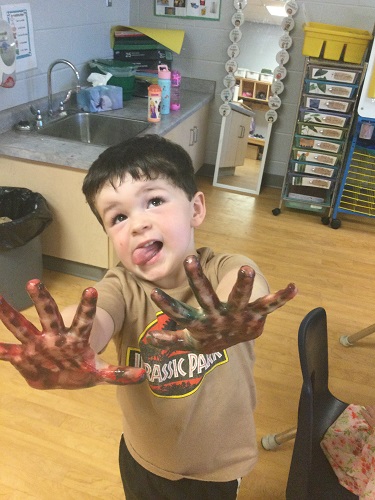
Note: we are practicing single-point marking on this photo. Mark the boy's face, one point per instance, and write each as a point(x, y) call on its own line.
point(151, 224)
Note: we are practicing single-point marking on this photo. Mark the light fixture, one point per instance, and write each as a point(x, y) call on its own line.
point(276, 10)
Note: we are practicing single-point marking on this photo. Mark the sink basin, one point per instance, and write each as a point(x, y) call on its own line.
point(94, 128)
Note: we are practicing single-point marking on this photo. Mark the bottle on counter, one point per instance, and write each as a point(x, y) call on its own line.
point(154, 103)
point(164, 81)
point(175, 90)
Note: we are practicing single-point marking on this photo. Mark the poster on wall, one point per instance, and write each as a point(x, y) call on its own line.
point(18, 16)
point(197, 9)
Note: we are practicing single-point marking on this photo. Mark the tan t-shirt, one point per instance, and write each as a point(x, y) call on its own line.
point(193, 418)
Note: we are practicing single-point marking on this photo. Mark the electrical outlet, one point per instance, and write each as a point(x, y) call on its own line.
point(108, 3)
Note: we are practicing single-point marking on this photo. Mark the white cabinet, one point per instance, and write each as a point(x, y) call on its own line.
point(191, 135)
point(233, 138)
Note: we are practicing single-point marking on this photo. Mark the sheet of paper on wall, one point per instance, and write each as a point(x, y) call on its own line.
point(172, 39)
point(7, 56)
point(199, 9)
point(18, 16)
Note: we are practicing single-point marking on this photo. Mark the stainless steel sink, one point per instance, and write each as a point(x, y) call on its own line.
point(94, 128)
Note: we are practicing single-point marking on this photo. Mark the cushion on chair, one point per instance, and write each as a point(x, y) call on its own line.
point(349, 445)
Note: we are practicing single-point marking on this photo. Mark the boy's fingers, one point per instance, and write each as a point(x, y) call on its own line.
point(269, 303)
point(48, 312)
point(201, 286)
point(15, 322)
point(180, 312)
point(8, 352)
point(85, 315)
point(242, 290)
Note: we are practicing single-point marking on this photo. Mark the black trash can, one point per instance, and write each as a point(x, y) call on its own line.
point(24, 215)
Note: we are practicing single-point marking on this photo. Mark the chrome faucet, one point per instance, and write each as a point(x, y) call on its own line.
point(49, 80)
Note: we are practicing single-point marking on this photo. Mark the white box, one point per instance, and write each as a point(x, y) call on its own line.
point(266, 78)
point(252, 75)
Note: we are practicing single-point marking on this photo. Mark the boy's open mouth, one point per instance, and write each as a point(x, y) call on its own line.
point(144, 253)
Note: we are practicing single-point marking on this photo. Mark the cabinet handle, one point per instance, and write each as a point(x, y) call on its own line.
point(191, 141)
point(242, 132)
point(195, 129)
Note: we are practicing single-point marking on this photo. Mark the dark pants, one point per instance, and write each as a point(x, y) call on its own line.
point(140, 484)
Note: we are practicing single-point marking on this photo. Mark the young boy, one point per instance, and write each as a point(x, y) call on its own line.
point(188, 430)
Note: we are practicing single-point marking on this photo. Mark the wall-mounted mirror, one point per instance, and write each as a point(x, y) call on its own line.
point(259, 42)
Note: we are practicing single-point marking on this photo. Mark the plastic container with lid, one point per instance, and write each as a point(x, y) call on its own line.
point(164, 82)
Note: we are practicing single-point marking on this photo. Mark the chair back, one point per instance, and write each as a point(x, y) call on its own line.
point(311, 476)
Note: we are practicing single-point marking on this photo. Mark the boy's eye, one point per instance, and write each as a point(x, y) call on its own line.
point(118, 218)
point(156, 202)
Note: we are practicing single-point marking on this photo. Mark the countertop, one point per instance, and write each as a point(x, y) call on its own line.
point(35, 147)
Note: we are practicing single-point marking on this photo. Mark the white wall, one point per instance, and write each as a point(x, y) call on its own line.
point(68, 29)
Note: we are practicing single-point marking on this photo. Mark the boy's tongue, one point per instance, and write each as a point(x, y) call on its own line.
point(144, 254)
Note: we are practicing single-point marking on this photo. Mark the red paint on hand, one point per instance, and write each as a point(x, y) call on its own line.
point(58, 357)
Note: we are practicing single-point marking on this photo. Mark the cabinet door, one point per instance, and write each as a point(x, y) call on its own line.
point(74, 233)
point(236, 132)
point(191, 135)
point(197, 124)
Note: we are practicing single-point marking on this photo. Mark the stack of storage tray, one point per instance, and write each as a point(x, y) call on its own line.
point(327, 103)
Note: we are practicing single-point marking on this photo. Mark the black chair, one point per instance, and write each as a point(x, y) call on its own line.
point(311, 476)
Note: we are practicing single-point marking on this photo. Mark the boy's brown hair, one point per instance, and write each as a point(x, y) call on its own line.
point(147, 157)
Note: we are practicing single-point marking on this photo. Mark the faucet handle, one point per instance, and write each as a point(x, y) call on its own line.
point(62, 111)
point(38, 116)
point(39, 119)
point(67, 97)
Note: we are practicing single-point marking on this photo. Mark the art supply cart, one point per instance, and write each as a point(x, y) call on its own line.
point(357, 190)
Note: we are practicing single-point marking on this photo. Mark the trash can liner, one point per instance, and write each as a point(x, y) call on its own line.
point(29, 214)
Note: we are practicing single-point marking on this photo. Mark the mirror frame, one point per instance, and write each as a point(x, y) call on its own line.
point(274, 102)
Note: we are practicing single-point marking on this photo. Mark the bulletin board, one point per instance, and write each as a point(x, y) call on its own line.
point(208, 10)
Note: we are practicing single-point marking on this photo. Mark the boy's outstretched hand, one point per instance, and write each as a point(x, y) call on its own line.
point(58, 357)
point(216, 325)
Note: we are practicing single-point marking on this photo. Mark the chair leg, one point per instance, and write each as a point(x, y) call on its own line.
point(273, 441)
point(348, 341)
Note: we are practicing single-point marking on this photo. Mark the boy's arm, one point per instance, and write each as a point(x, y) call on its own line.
point(218, 324)
point(60, 357)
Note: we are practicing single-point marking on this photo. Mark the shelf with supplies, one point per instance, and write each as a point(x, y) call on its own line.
point(255, 91)
point(328, 103)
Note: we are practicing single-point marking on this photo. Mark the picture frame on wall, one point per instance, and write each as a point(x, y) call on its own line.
point(193, 9)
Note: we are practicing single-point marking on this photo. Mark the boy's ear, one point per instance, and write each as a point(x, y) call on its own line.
point(199, 209)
